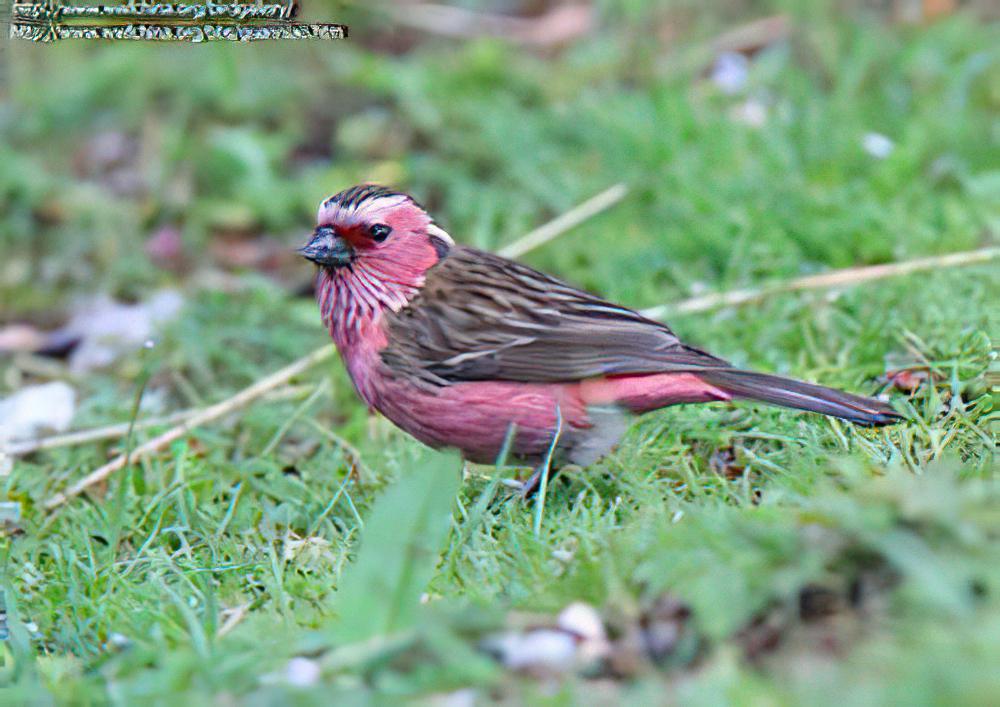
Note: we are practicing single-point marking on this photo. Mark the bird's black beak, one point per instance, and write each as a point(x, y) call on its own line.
point(328, 249)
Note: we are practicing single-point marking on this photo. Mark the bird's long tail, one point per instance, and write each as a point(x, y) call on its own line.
point(800, 395)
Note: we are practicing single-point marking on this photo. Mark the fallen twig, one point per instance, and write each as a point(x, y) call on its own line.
point(17, 448)
point(233, 617)
point(20, 447)
point(213, 412)
point(847, 277)
point(559, 225)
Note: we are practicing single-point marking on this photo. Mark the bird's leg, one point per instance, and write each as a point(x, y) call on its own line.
point(529, 487)
point(544, 471)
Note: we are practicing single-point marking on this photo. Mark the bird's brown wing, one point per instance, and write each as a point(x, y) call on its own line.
point(483, 317)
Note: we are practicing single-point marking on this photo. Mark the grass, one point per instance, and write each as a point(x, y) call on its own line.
point(200, 573)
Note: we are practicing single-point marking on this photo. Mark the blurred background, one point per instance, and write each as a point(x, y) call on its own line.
point(152, 192)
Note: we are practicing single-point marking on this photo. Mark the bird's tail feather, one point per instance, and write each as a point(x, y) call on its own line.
point(800, 395)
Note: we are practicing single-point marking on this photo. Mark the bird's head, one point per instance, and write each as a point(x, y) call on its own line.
point(369, 222)
point(373, 247)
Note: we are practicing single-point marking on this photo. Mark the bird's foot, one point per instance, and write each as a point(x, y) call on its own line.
point(529, 487)
point(525, 489)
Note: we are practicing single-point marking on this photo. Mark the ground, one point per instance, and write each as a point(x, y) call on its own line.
point(297, 549)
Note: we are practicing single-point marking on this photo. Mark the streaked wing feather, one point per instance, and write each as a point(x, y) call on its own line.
point(483, 317)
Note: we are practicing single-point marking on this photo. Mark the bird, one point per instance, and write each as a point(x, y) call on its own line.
point(466, 349)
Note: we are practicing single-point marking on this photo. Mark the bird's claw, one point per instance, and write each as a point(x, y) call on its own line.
point(527, 488)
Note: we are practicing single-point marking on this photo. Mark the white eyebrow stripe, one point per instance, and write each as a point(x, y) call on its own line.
point(381, 204)
point(333, 211)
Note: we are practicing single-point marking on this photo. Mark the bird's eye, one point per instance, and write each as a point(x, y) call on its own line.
point(379, 232)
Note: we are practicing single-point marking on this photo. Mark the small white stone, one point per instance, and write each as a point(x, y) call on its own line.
point(465, 697)
point(730, 72)
point(750, 112)
point(302, 672)
point(877, 145)
point(564, 556)
point(540, 651)
point(583, 620)
point(36, 409)
point(108, 329)
point(10, 511)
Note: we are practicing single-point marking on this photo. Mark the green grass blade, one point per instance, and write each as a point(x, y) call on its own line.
point(400, 546)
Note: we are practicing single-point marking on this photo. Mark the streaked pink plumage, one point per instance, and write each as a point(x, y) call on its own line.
point(455, 346)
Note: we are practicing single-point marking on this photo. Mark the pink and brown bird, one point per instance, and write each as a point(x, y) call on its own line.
point(463, 348)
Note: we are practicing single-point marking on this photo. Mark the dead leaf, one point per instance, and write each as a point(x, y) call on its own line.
point(664, 625)
point(752, 37)
point(107, 329)
point(261, 254)
point(165, 249)
point(817, 602)
point(652, 637)
point(111, 158)
point(917, 11)
point(560, 25)
point(909, 380)
point(723, 462)
point(21, 338)
point(763, 635)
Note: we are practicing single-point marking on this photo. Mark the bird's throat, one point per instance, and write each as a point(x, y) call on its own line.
point(353, 299)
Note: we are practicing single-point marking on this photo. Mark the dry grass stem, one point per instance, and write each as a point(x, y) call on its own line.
point(209, 414)
point(847, 277)
point(559, 225)
point(17, 448)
